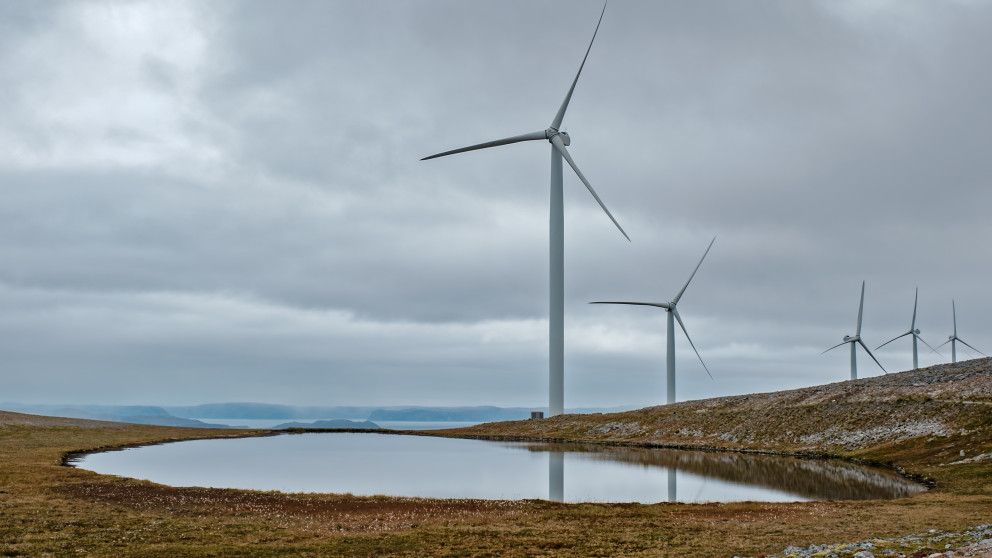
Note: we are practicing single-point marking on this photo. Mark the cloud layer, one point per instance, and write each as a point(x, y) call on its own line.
point(224, 201)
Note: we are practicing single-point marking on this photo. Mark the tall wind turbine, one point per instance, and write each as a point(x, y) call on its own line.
point(856, 340)
point(953, 338)
point(912, 331)
point(556, 321)
point(671, 308)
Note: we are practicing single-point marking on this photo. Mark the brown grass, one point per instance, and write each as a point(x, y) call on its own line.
point(919, 421)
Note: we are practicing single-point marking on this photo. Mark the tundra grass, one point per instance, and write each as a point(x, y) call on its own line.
point(49, 509)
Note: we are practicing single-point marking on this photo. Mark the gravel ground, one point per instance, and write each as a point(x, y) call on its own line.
point(975, 542)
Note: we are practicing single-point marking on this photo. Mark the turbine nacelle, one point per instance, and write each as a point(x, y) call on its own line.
point(953, 338)
point(856, 340)
point(565, 138)
point(912, 331)
point(673, 316)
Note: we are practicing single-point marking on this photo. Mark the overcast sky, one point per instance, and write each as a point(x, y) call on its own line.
point(223, 201)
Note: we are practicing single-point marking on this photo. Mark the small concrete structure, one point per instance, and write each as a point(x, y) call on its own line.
point(536, 415)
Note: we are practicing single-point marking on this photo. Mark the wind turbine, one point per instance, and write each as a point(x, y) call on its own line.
point(953, 338)
point(671, 308)
point(856, 340)
point(556, 321)
point(912, 331)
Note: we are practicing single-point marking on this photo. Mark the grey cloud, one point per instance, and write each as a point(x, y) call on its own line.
point(278, 172)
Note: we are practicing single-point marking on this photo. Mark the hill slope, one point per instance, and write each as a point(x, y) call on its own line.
point(841, 418)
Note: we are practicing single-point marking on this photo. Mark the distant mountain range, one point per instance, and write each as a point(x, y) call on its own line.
point(333, 423)
point(262, 411)
point(330, 417)
point(134, 414)
point(256, 411)
point(455, 414)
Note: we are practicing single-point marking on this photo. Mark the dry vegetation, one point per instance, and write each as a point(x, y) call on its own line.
point(919, 421)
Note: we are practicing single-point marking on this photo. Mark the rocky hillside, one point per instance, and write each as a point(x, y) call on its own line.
point(842, 418)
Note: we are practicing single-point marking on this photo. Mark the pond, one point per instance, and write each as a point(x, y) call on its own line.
point(424, 466)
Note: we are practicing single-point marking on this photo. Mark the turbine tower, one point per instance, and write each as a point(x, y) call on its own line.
point(556, 320)
point(671, 308)
point(856, 340)
point(953, 338)
point(912, 331)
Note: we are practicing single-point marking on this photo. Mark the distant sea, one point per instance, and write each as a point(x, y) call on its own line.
point(391, 424)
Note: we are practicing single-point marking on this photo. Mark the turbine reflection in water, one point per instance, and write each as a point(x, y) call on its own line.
point(556, 476)
point(672, 486)
point(556, 479)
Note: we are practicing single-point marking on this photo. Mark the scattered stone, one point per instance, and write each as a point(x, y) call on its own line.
point(979, 457)
point(975, 542)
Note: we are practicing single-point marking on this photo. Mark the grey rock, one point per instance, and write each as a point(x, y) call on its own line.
point(864, 554)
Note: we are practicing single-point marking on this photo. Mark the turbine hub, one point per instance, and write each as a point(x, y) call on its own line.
point(916, 331)
point(847, 338)
point(565, 139)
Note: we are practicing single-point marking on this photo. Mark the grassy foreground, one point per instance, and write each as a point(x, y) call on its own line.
point(919, 421)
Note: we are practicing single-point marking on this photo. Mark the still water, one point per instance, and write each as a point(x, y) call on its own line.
point(369, 464)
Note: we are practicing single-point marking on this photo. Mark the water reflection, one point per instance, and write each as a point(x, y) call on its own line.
point(556, 476)
point(812, 479)
point(368, 464)
point(672, 488)
point(556, 479)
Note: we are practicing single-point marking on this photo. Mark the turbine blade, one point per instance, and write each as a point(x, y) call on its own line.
point(682, 325)
point(861, 309)
point(655, 304)
point(542, 135)
point(678, 296)
point(939, 346)
point(955, 314)
point(916, 299)
point(835, 346)
point(972, 348)
point(925, 343)
point(556, 123)
point(560, 146)
point(865, 347)
point(893, 339)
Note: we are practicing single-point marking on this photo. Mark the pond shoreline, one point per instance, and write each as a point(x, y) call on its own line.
point(738, 471)
point(70, 458)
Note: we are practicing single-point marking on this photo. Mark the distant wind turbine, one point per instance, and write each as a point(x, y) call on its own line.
point(556, 322)
point(856, 340)
point(912, 331)
point(671, 308)
point(953, 338)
